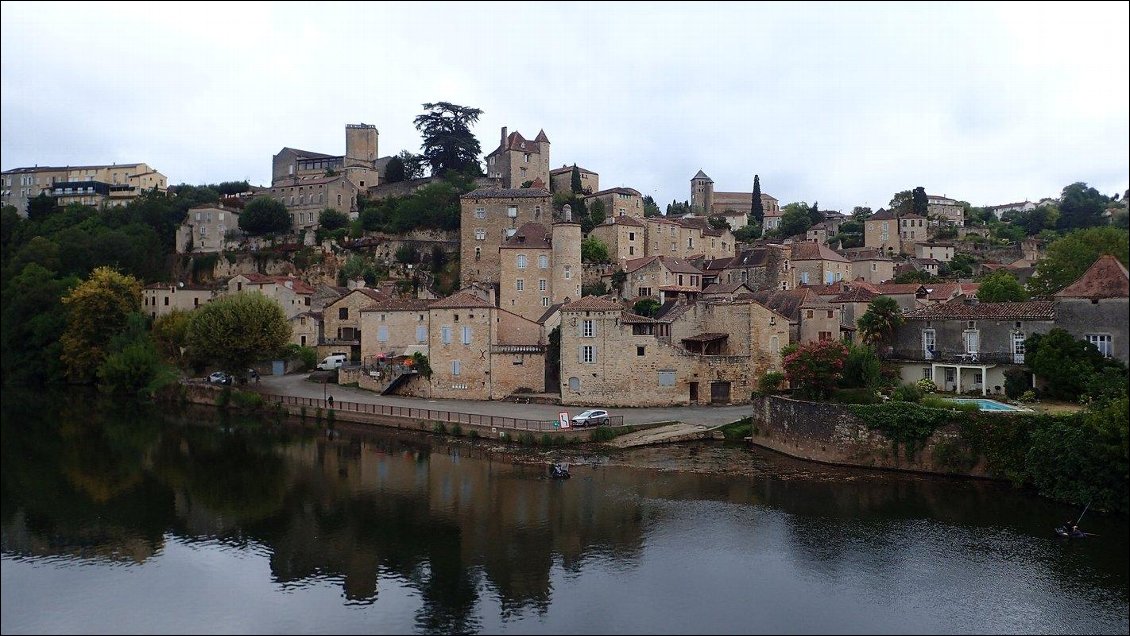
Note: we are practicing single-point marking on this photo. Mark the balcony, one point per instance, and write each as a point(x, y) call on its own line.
point(958, 357)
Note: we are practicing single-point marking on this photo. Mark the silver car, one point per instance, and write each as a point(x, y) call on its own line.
point(591, 417)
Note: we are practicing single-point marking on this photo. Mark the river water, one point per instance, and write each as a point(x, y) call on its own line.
point(124, 518)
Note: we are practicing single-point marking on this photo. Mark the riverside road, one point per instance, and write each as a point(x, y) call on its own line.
point(706, 416)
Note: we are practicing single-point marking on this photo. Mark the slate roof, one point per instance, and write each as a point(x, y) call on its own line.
point(959, 309)
point(529, 235)
point(787, 302)
point(855, 295)
point(702, 175)
point(554, 308)
point(725, 288)
point(1105, 278)
point(810, 251)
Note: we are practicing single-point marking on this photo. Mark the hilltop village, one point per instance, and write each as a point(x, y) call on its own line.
point(532, 279)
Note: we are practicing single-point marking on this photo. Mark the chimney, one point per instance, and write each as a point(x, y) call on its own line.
point(503, 142)
point(568, 209)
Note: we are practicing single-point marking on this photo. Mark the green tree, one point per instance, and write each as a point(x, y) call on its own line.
point(1071, 367)
point(859, 214)
point(919, 203)
point(877, 325)
point(814, 213)
point(814, 368)
point(862, 368)
point(597, 212)
point(756, 208)
point(331, 219)
point(795, 219)
point(650, 209)
point(1070, 256)
point(618, 279)
point(1001, 286)
point(448, 143)
point(32, 316)
point(1081, 206)
point(170, 334)
point(902, 202)
point(718, 222)
point(97, 309)
point(40, 207)
point(407, 253)
point(264, 215)
point(593, 250)
point(394, 170)
point(238, 330)
point(646, 307)
point(575, 180)
point(915, 276)
point(747, 233)
point(132, 364)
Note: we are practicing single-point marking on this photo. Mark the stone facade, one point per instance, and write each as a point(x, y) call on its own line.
point(1094, 307)
point(305, 199)
point(341, 320)
point(97, 185)
point(881, 232)
point(395, 327)
point(539, 267)
point(945, 208)
point(611, 358)
point(706, 200)
point(618, 202)
point(561, 180)
point(306, 329)
point(517, 161)
point(762, 267)
point(941, 251)
point(293, 295)
point(816, 263)
point(658, 277)
point(205, 229)
point(625, 237)
point(488, 217)
point(359, 164)
point(872, 266)
point(160, 299)
point(684, 238)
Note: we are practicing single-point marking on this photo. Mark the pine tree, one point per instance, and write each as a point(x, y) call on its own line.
point(756, 210)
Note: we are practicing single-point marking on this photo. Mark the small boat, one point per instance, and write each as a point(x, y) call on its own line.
point(559, 471)
point(1069, 533)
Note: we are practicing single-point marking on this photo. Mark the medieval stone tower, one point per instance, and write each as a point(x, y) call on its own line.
point(360, 145)
point(566, 259)
point(702, 193)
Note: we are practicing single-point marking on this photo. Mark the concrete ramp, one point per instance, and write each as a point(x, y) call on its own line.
point(678, 432)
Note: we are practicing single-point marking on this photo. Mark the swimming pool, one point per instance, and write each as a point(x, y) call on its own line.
point(990, 405)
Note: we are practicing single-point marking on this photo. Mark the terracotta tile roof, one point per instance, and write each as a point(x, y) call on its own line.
point(811, 251)
point(400, 304)
point(506, 193)
point(786, 303)
point(628, 318)
point(593, 303)
point(529, 235)
point(716, 264)
point(287, 182)
point(541, 138)
point(307, 154)
point(679, 265)
point(1105, 278)
point(725, 288)
point(371, 293)
point(459, 300)
point(883, 215)
point(855, 295)
point(683, 289)
point(706, 337)
point(959, 309)
point(515, 141)
point(893, 289)
point(180, 286)
point(617, 190)
point(633, 264)
point(564, 169)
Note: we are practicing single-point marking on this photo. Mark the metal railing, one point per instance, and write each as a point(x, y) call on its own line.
point(981, 357)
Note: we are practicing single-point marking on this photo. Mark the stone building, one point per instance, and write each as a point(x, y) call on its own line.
point(159, 299)
point(618, 202)
point(305, 199)
point(96, 185)
point(341, 322)
point(561, 180)
point(659, 277)
point(360, 164)
point(540, 266)
point(941, 251)
point(871, 265)
point(395, 327)
point(517, 161)
point(706, 353)
point(624, 236)
point(306, 328)
point(761, 267)
point(709, 202)
point(815, 263)
point(206, 227)
point(1094, 308)
point(686, 238)
point(293, 295)
point(945, 208)
point(489, 216)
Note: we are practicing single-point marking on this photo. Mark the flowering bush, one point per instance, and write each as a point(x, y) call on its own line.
point(926, 385)
point(814, 368)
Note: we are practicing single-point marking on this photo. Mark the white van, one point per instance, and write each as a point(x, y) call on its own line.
point(333, 361)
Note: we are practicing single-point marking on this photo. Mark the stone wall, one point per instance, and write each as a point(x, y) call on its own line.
point(830, 433)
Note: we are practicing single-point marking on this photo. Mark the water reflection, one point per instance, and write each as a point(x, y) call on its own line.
point(481, 542)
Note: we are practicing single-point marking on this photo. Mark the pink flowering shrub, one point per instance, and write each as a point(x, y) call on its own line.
point(815, 367)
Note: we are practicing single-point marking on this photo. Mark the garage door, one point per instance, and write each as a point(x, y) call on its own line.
point(719, 392)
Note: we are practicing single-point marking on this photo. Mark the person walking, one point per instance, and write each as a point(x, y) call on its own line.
point(330, 401)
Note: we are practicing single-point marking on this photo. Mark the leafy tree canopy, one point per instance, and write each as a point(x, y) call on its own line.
point(593, 250)
point(238, 330)
point(879, 322)
point(1001, 286)
point(331, 219)
point(448, 143)
point(1070, 256)
point(96, 311)
point(264, 215)
point(1081, 206)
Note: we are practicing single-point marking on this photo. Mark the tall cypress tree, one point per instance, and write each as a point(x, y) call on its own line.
point(575, 180)
point(756, 211)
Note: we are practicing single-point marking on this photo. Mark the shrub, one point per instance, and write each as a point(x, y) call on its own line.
point(439, 429)
point(771, 382)
point(814, 368)
point(602, 434)
point(1028, 396)
point(457, 430)
point(926, 386)
point(546, 440)
point(857, 396)
point(907, 393)
point(246, 399)
point(861, 369)
point(935, 402)
point(474, 434)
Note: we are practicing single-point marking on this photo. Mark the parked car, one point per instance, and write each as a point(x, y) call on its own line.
point(591, 417)
point(219, 377)
point(333, 361)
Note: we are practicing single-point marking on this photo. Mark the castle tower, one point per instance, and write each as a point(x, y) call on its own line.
point(702, 192)
point(566, 281)
point(360, 145)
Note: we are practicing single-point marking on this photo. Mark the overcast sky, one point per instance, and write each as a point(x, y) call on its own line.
point(844, 104)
